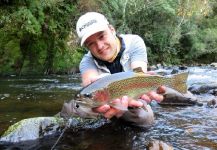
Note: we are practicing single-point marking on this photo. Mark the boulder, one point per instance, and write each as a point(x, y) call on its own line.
point(202, 89)
point(31, 129)
point(214, 64)
point(212, 103)
point(39, 127)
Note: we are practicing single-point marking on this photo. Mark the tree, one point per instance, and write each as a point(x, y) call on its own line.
point(34, 35)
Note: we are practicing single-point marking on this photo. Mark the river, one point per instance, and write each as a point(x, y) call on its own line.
point(192, 127)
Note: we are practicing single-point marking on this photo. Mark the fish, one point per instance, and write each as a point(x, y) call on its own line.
point(133, 84)
point(77, 109)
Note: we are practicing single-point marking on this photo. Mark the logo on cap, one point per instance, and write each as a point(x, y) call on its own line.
point(87, 24)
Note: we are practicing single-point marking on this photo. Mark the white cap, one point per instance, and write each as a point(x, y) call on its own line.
point(89, 24)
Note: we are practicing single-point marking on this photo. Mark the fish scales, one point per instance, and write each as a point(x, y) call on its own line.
point(105, 81)
point(136, 86)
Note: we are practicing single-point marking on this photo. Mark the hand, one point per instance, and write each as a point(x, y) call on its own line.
point(148, 97)
point(125, 102)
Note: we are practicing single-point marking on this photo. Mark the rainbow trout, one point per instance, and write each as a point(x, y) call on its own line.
point(132, 84)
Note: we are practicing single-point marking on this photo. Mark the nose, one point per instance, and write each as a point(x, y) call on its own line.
point(99, 45)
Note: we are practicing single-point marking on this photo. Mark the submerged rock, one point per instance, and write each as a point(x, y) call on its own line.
point(212, 103)
point(39, 127)
point(202, 89)
point(31, 129)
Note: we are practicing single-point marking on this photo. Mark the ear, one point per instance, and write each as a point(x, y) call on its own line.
point(112, 29)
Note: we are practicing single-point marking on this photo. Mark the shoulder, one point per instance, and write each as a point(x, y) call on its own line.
point(132, 40)
point(87, 57)
point(131, 37)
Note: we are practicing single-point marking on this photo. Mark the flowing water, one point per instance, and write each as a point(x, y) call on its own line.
point(192, 127)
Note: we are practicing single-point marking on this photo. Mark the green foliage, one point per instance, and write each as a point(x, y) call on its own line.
point(201, 41)
point(32, 34)
point(68, 59)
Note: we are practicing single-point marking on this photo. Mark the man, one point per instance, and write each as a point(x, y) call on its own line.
point(111, 53)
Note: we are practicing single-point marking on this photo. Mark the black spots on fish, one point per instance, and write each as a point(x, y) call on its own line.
point(179, 82)
point(76, 106)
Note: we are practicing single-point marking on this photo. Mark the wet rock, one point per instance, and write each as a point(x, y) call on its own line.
point(159, 66)
point(31, 129)
point(209, 88)
point(159, 145)
point(214, 64)
point(175, 71)
point(39, 127)
point(183, 67)
point(173, 97)
point(85, 124)
point(152, 68)
point(213, 92)
point(212, 103)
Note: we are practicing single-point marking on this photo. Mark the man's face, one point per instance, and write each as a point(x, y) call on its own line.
point(102, 44)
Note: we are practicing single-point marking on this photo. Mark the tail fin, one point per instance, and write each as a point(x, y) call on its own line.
point(179, 82)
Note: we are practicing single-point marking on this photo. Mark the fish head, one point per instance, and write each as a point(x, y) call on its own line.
point(83, 103)
point(83, 96)
point(77, 109)
point(97, 97)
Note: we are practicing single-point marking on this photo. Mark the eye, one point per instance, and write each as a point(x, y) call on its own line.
point(101, 37)
point(88, 95)
point(89, 44)
point(76, 105)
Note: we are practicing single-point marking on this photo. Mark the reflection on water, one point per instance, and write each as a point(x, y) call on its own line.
point(27, 97)
point(185, 128)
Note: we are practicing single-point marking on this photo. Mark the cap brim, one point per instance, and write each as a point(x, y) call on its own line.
point(93, 31)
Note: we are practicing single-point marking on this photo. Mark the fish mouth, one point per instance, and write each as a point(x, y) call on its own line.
point(84, 102)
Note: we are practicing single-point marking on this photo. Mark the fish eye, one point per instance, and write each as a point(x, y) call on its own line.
point(76, 105)
point(88, 95)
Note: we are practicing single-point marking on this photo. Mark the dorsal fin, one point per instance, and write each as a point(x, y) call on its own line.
point(138, 70)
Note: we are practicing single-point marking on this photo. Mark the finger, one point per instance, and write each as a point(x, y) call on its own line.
point(144, 104)
point(124, 101)
point(155, 96)
point(112, 112)
point(161, 90)
point(146, 98)
point(121, 104)
point(101, 109)
point(135, 103)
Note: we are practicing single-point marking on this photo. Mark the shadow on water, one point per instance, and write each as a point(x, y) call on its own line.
point(185, 128)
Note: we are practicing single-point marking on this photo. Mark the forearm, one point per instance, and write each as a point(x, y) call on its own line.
point(142, 116)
